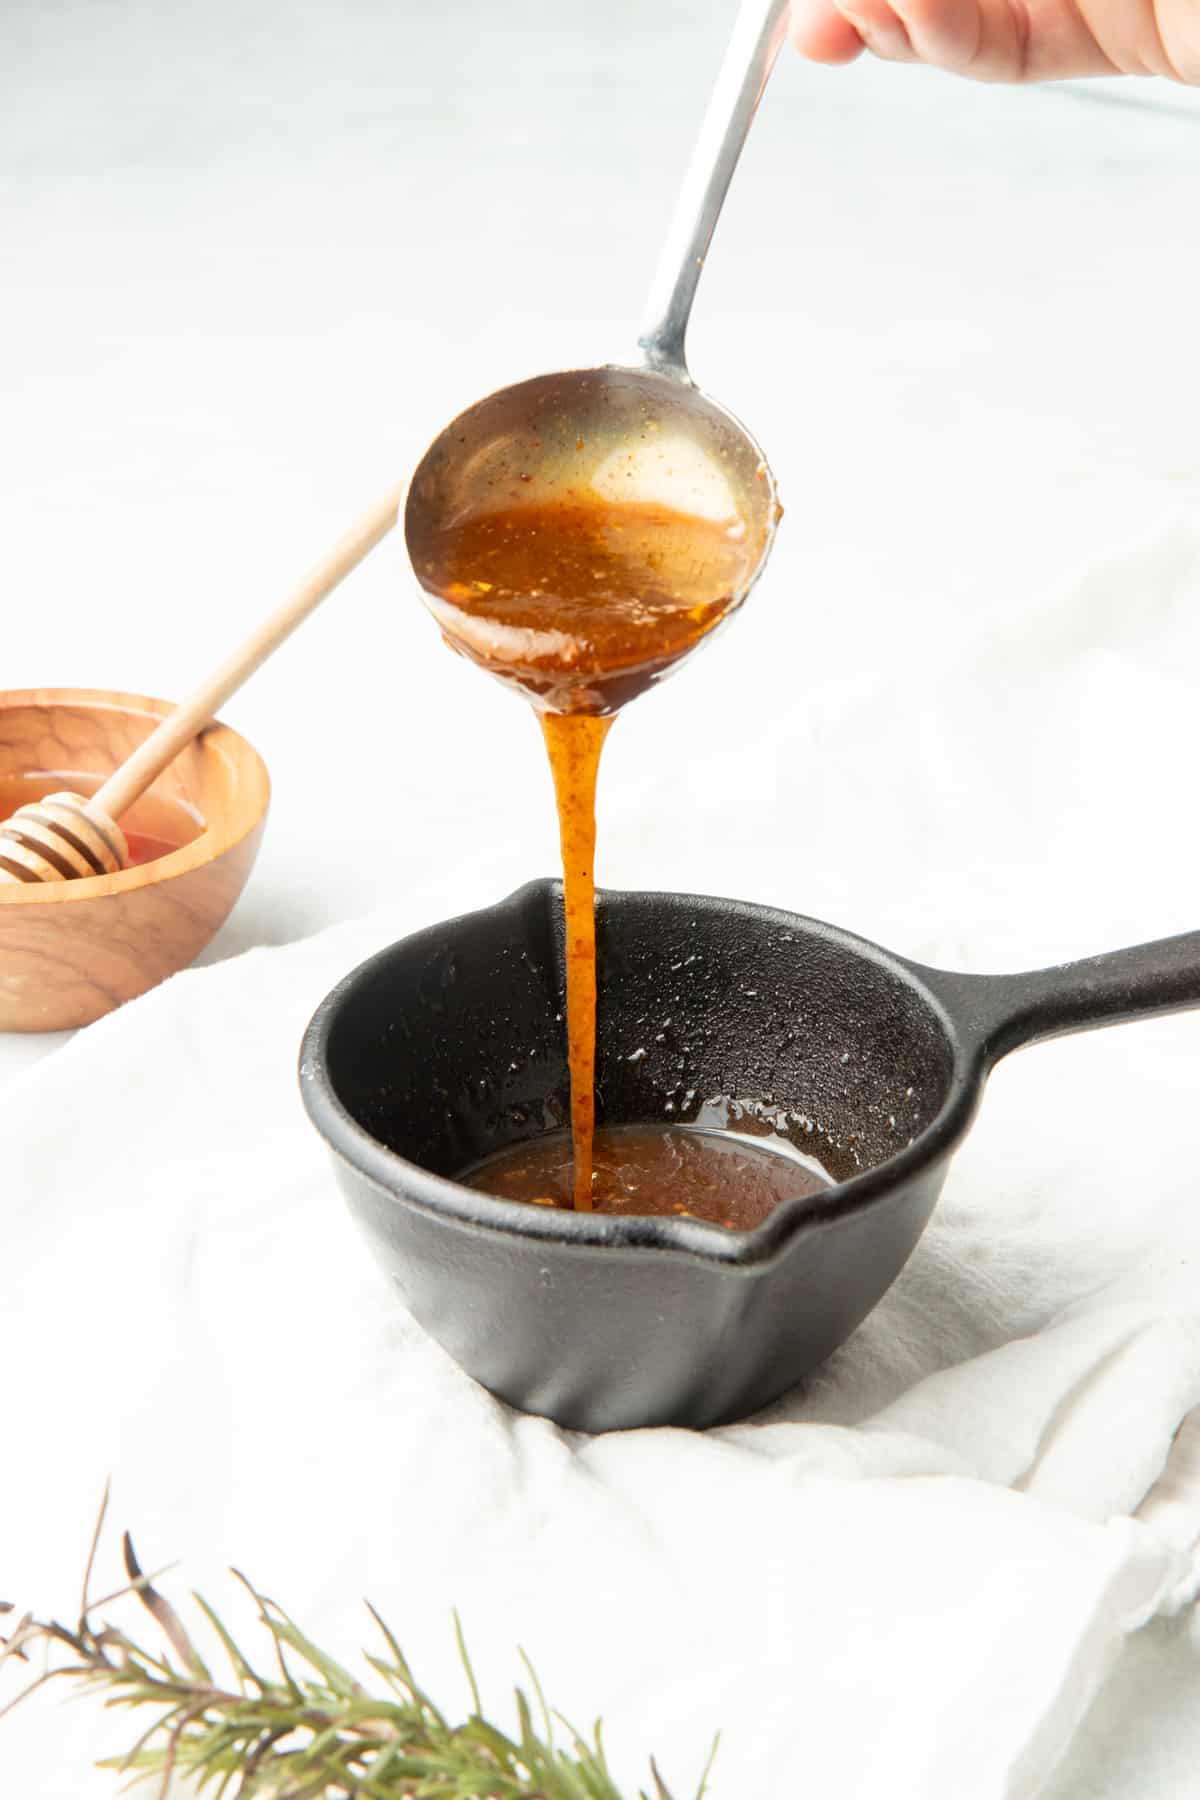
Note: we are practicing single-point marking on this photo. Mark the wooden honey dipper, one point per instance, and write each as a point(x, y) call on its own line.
point(66, 836)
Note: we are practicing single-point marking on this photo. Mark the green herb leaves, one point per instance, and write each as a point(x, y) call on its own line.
point(308, 1730)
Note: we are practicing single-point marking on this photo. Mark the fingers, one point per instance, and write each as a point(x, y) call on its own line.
point(948, 34)
point(1007, 40)
point(836, 31)
point(821, 33)
point(882, 29)
point(989, 40)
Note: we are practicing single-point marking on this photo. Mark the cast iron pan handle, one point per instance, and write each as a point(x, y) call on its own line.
point(998, 1013)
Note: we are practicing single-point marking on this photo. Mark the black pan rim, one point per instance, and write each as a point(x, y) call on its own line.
point(405, 1183)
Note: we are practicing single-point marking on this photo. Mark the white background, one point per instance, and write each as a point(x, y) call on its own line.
point(253, 257)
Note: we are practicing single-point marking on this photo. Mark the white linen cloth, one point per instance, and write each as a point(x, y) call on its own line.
point(908, 1580)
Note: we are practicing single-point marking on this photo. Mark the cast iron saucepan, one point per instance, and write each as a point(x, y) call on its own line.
point(451, 1045)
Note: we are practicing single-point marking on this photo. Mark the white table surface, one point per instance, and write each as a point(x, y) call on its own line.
point(251, 258)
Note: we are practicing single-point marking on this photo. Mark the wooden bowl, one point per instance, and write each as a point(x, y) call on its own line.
point(71, 951)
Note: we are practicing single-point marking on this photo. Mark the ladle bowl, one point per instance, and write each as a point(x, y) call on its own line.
point(633, 437)
point(451, 1045)
point(642, 436)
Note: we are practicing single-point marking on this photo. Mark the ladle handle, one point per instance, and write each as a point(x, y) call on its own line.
point(999, 1013)
point(757, 38)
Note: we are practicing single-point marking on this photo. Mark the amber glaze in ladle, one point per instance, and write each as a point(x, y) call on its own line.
point(578, 534)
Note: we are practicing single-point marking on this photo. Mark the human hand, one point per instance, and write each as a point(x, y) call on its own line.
point(1008, 40)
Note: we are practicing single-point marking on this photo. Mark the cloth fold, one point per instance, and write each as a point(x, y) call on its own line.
point(908, 1578)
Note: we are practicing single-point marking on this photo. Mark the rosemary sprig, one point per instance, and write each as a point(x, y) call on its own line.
point(308, 1730)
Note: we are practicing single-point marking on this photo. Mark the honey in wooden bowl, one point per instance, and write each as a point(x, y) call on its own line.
point(71, 951)
point(156, 826)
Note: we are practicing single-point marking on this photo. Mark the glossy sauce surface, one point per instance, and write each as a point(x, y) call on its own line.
point(145, 849)
point(584, 602)
point(667, 1170)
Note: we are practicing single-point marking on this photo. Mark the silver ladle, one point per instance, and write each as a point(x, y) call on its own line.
point(644, 434)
